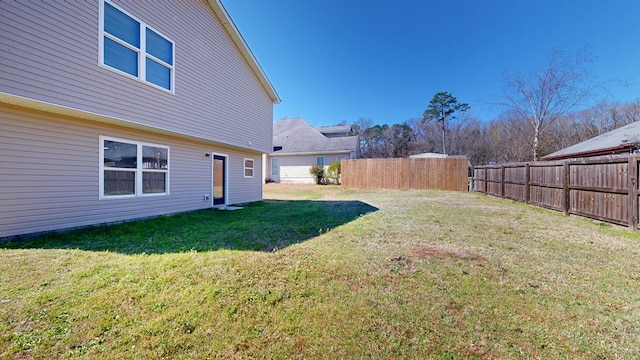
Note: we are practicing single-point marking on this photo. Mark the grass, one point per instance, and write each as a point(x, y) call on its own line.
point(323, 272)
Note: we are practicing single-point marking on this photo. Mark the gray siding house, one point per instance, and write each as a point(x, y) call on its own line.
point(297, 146)
point(113, 110)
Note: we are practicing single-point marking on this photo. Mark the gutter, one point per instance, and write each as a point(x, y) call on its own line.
point(599, 152)
point(332, 152)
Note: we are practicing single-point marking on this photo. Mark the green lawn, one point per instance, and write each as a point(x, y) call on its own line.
point(322, 272)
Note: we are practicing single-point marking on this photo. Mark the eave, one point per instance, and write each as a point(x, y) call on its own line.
point(237, 38)
point(592, 153)
point(329, 152)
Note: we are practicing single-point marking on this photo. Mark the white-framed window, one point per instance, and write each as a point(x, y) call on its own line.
point(131, 47)
point(320, 160)
point(275, 166)
point(248, 168)
point(131, 168)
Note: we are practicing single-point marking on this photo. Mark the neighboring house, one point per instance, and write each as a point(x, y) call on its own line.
point(429, 156)
point(113, 110)
point(624, 140)
point(297, 146)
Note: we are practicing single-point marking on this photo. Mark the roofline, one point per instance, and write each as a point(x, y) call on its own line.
point(38, 105)
point(237, 38)
point(331, 152)
point(598, 152)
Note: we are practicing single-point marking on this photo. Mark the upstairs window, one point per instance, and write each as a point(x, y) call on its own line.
point(132, 47)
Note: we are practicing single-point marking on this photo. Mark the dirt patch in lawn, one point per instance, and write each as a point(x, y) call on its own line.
point(427, 252)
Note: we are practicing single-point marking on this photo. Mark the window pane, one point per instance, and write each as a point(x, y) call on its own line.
point(154, 157)
point(248, 163)
point(248, 172)
point(119, 182)
point(158, 74)
point(120, 155)
point(154, 182)
point(120, 57)
point(159, 47)
point(275, 167)
point(121, 25)
point(320, 160)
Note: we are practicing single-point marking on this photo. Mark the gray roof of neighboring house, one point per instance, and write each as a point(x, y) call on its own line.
point(297, 136)
point(620, 138)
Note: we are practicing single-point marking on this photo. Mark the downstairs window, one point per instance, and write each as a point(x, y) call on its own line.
point(131, 169)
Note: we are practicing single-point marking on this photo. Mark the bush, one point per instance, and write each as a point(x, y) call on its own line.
point(317, 172)
point(333, 172)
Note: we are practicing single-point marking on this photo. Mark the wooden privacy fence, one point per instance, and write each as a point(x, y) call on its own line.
point(603, 189)
point(451, 173)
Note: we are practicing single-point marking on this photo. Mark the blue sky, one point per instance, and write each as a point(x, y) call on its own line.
point(335, 60)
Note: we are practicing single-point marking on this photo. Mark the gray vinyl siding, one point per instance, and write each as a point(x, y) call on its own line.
point(49, 174)
point(50, 53)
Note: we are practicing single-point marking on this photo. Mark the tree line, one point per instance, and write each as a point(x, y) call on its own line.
point(541, 114)
point(505, 139)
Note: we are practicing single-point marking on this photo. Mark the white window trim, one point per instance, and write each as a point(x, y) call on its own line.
point(277, 168)
point(142, 53)
point(138, 170)
point(245, 168)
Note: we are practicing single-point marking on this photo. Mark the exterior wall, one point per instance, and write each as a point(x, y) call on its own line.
point(295, 168)
point(50, 167)
point(50, 52)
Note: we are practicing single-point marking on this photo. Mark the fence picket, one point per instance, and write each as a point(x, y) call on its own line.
point(603, 189)
point(451, 173)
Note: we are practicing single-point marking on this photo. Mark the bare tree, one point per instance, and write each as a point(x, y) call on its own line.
point(541, 98)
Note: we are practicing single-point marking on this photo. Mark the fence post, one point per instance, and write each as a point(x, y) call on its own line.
point(632, 172)
point(486, 170)
point(566, 189)
point(502, 172)
point(527, 179)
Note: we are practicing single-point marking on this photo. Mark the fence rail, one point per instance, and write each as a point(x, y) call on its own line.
point(602, 189)
point(450, 173)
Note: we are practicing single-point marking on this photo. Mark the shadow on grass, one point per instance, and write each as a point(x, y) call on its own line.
point(263, 226)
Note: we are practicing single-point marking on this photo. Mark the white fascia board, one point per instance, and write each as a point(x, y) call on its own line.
point(237, 38)
point(333, 152)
